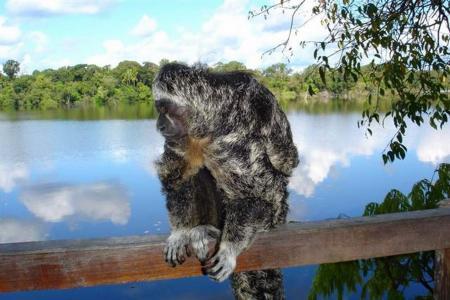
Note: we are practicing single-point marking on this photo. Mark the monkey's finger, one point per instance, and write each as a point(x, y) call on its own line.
point(215, 269)
point(211, 262)
point(173, 257)
point(211, 268)
point(170, 262)
point(213, 274)
point(222, 275)
point(180, 255)
point(181, 260)
point(167, 256)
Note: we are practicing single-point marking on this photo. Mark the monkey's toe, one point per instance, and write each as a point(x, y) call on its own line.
point(221, 265)
point(175, 251)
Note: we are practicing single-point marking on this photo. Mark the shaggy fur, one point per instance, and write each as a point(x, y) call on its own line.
point(237, 185)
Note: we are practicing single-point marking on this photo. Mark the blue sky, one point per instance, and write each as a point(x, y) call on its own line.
point(53, 33)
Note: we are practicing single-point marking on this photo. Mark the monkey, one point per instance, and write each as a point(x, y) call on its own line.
point(228, 155)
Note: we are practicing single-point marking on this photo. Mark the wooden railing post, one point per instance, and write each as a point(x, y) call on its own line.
point(442, 268)
point(442, 275)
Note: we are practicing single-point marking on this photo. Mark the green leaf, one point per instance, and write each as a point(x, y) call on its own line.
point(322, 75)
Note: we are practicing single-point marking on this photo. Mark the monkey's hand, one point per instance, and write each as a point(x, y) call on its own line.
point(177, 247)
point(200, 236)
point(222, 264)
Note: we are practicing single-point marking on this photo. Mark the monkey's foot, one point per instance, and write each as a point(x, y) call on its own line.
point(199, 240)
point(222, 264)
point(176, 248)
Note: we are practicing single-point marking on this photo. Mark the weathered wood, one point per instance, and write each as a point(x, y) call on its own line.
point(442, 274)
point(66, 264)
point(442, 267)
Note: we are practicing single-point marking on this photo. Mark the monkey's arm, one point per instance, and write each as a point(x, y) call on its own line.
point(183, 216)
point(244, 218)
point(178, 191)
point(179, 205)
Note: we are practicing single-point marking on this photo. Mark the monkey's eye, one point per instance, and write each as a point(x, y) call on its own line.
point(162, 110)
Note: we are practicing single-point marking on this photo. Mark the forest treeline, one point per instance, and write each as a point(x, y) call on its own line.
point(130, 83)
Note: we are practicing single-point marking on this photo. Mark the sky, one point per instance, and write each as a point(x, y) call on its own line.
point(43, 34)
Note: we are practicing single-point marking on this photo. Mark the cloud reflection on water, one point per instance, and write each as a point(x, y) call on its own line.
point(12, 175)
point(326, 141)
point(14, 230)
point(94, 201)
point(434, 147)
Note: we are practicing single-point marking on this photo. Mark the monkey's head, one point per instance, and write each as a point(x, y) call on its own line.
point(179, 102)
point(200, 103)
point(172, 120)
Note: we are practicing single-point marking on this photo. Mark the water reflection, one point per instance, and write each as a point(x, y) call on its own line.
point(325, 141)
point(435, 146)
point(95, 202)
point(328, 141)
point(12, 175)
point(13, 230)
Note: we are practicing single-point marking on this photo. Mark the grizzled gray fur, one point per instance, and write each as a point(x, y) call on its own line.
point(239, 185)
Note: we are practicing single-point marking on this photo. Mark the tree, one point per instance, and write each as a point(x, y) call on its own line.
point(406, 44)
point(11, 68)
point(229, 66)
point(279, 70)
point(130, 76)
point(147, 73)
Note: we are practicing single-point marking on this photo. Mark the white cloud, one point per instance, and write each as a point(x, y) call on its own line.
point(97, 201)
point(29, 48)
point(144, 27)
point(37, 8)
point(8, 52)
point(12, 175)
point(40, 40)
point(115, 52)
point(227, 35)
point(11, 44)
point(9, 34)
point(15, 231)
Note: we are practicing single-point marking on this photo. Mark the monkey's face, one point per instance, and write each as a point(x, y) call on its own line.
point(172, 120)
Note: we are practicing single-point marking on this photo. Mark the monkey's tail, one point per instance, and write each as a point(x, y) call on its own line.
point(258, 285)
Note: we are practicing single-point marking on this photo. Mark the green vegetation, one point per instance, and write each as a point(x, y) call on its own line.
point(130, 83)
point(80, 85)
point(386, 277)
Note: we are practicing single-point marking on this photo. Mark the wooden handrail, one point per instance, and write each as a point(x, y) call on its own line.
point(80, 263)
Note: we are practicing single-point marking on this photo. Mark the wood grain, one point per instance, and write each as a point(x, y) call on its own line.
point(80, 263)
